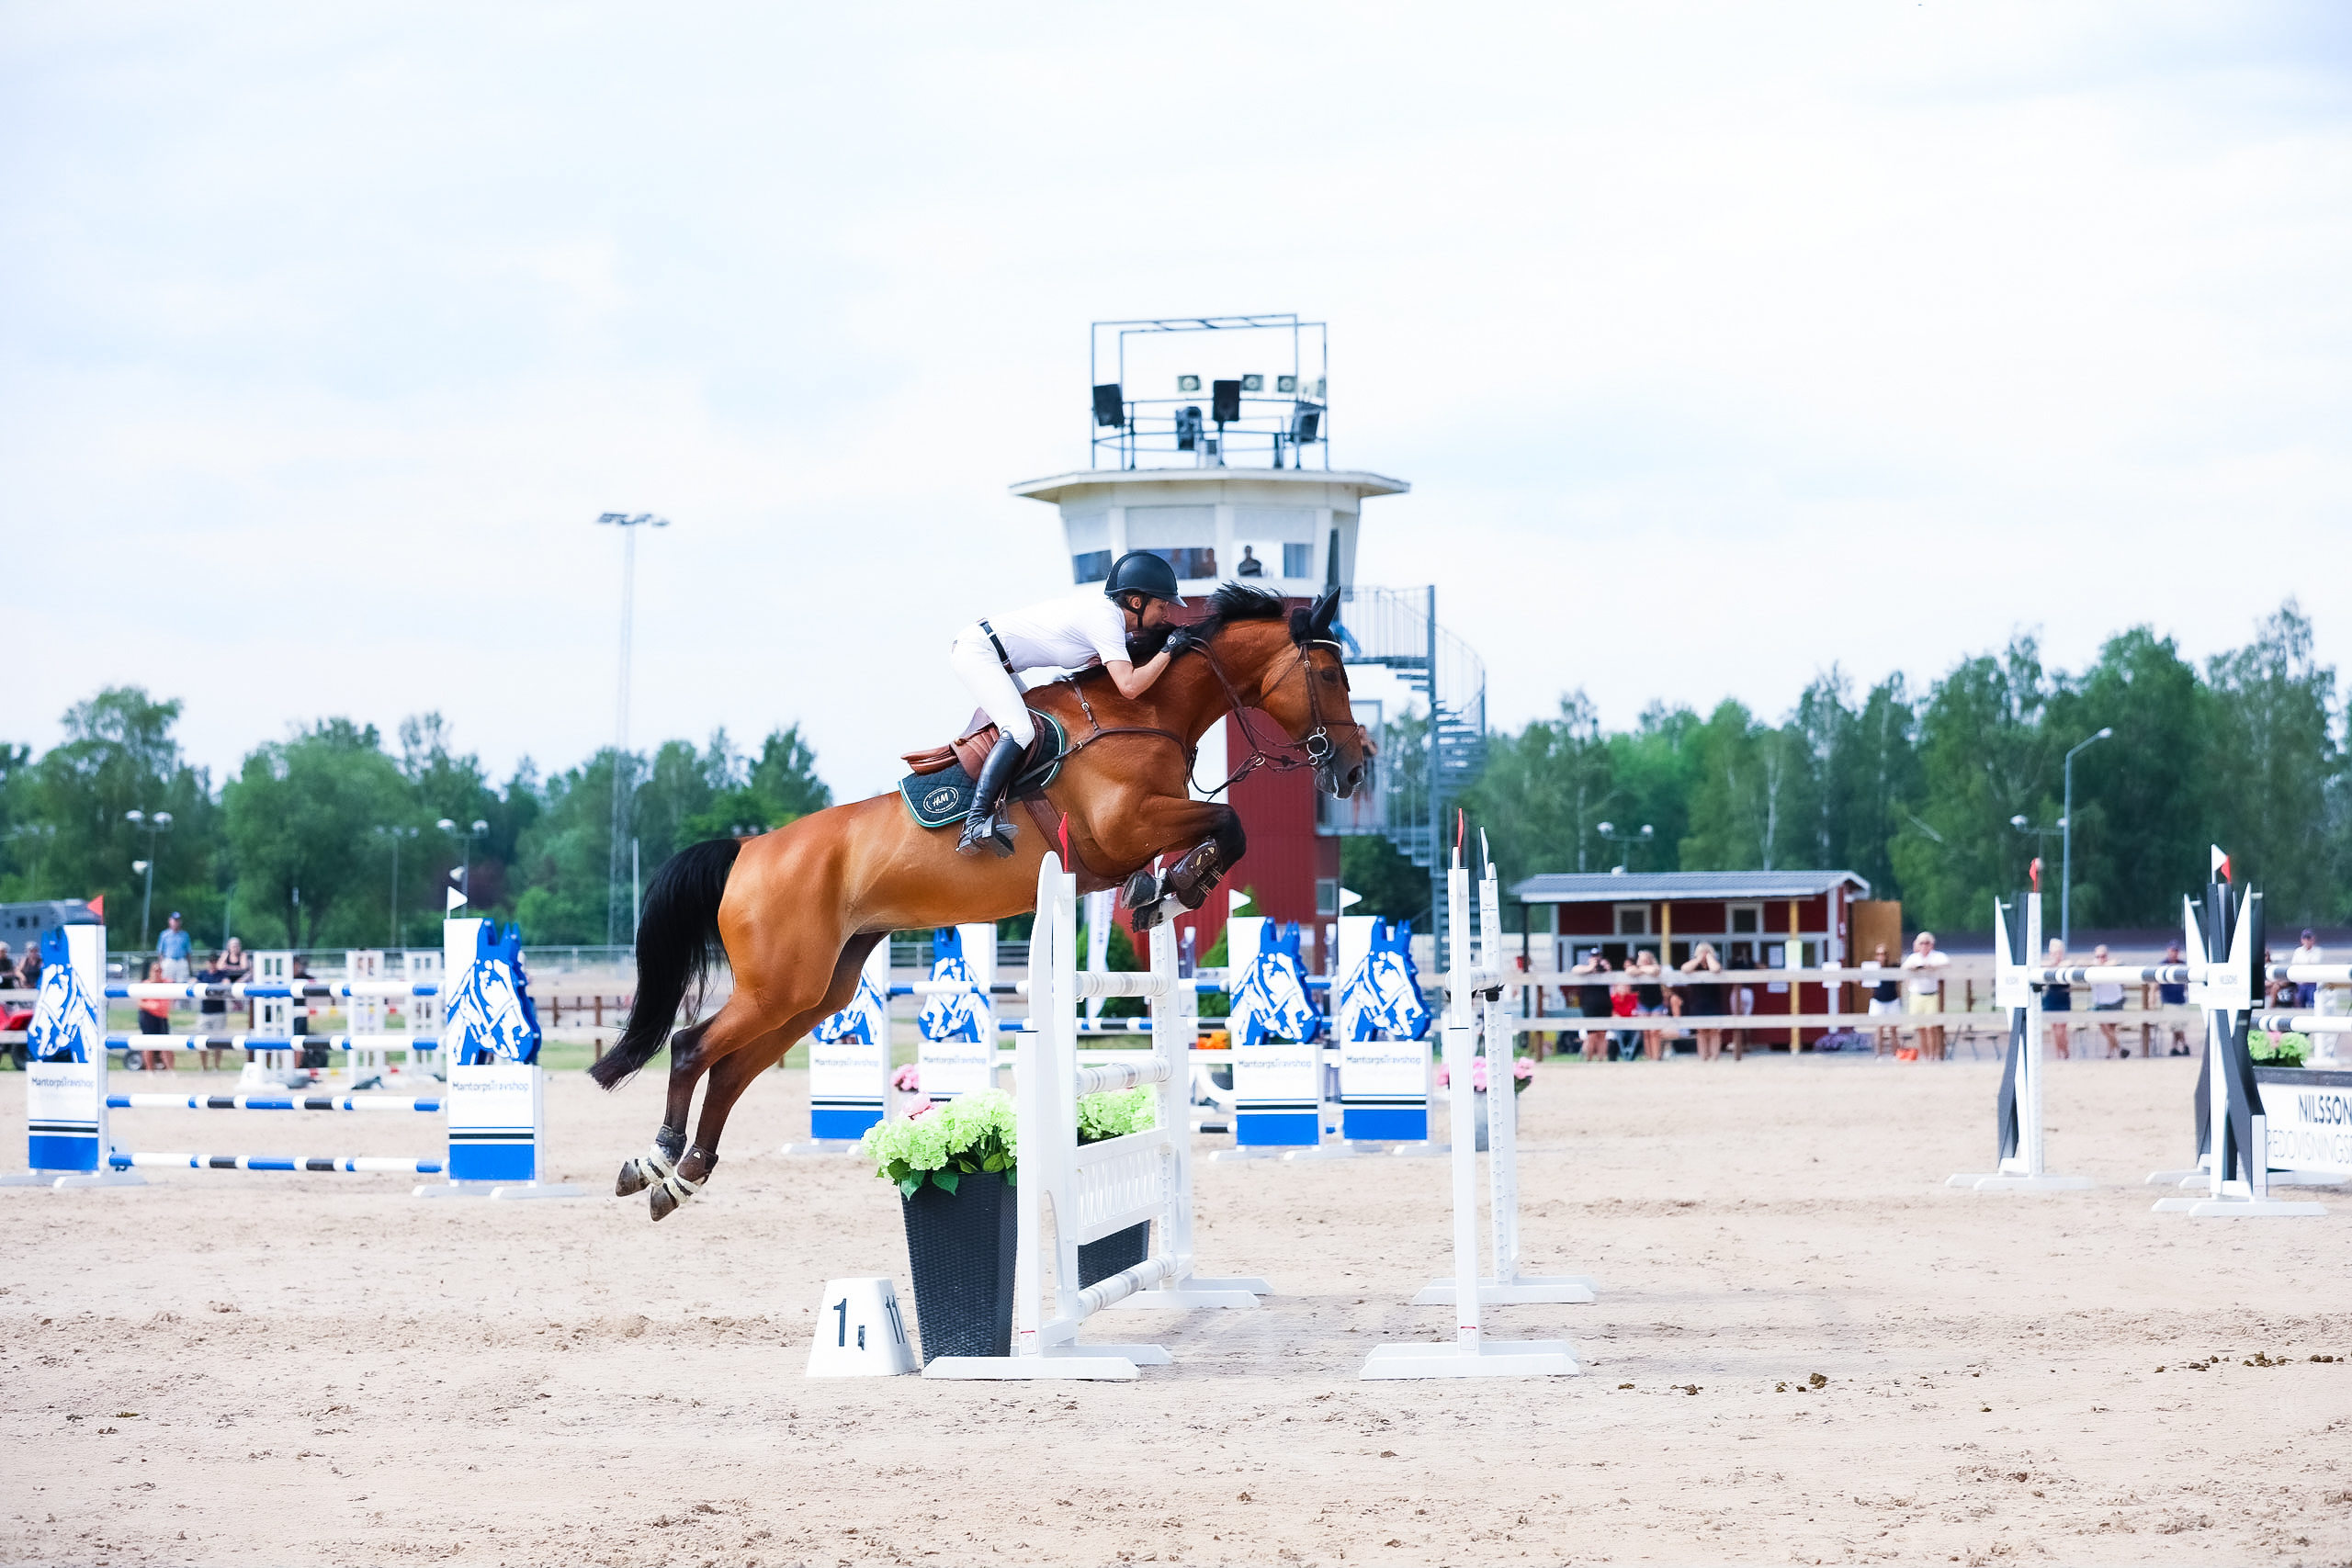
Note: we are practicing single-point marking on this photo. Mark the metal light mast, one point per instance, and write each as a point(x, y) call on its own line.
point(628, 526)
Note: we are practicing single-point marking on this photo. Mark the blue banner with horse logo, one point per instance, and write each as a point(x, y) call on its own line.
point(1382, 1023)
point(491, 1039)
point(957, 1053)
point(1277, 1066)
point(849, 1056)
point(65, 1052)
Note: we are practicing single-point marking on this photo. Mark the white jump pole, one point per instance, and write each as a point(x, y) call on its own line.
point(1472, 1353)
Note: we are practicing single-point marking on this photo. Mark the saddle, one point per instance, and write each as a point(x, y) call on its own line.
point(939, 789)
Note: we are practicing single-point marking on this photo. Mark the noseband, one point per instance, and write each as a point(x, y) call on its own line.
point(1316, 742)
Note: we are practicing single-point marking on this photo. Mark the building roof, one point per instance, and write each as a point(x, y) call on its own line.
point(1063, 487)
point(1624, 887)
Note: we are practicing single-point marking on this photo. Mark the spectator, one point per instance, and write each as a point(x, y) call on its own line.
point(2057, 998)
point(171, 947)
point(29, 972)
point(313, 1056)
point(229, 968)
point(7, 968)
point(2307, 991)
point(1592, 1002)
point(1705, 999)
point(2172, 995)
point(1621, 1004)
point(1743, 1005)
point(2107, 996)
point(1251, 565)
point(1926, 994)
point(1886, 999)
point(1649, 1001)
point(155, 1018)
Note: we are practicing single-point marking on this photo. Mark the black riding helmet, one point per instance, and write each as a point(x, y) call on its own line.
point(1140, 571)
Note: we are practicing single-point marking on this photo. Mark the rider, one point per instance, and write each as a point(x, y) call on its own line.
point(1064, 634)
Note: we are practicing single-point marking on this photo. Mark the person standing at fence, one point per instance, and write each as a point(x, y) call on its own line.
point(155, 1018)
point(2172, 995)
point(1592, 1002)
point(1649, 1001)
point(2057, 998)
point(1704, 999)
point(171, 947)
point(2107, 996)
point(1926, 997)
point(2309, 951)
point(7, 968)
point(1886, 999)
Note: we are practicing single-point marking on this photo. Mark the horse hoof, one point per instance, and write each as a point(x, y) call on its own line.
point(1150, 915)
point(663, 1204)
point(633, 1180)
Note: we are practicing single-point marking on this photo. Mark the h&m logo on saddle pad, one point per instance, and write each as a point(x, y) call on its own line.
point(937, 799)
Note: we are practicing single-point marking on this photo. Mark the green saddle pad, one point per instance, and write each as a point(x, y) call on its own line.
point(937, 799)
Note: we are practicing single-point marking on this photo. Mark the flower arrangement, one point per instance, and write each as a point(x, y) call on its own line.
point(2279, 1050)
point(1522, 1073)
point(1116, 1113)
point(944, 1143)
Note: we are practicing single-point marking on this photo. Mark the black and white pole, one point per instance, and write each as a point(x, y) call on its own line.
point(2016, 1108)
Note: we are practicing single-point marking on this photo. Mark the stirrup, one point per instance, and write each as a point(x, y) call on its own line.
point(993, 831)
point(666, 1177)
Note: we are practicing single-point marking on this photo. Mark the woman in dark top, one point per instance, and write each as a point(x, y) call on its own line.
point(1592, 1001)
point(1649, 997)
point(2057, 999)
point(1704, 999)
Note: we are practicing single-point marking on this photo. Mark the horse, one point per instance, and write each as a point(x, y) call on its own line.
point(797, 911)
point(1383, 997)
point(1271, 1002)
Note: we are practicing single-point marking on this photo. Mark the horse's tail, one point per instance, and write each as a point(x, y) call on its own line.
point(677, 936)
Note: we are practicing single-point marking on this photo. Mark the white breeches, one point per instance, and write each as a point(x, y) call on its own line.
point(974, 657)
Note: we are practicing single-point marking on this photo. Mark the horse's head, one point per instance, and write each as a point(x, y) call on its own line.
point(66, 1025)
point(1288, 668)
point(491, 1014)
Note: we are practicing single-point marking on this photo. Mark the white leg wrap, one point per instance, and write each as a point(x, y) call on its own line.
point(665, 1175)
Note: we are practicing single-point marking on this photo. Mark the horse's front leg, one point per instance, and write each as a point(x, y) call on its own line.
point(1210, 836)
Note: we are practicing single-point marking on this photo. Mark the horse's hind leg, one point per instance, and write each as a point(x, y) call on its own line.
point(687, 1063)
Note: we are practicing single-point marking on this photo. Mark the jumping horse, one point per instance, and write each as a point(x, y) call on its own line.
point(797, 911)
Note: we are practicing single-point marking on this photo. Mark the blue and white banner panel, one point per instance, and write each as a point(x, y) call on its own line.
point(1277, 1068)
point(491, 1035)
point(957, 1052)
point(849, 1056)
point(1381, 1022)
point(2309, 1111)
point(66, 1054)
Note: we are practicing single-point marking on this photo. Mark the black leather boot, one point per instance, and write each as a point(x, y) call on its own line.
point(982, 824)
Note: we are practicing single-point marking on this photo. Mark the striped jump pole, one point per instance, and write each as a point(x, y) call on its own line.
point(271, 1102)
point(377, 1163)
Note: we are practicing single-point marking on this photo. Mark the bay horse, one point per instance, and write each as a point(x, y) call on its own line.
point(797, 911)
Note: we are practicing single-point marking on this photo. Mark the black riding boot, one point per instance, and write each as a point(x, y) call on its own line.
point(982, 824)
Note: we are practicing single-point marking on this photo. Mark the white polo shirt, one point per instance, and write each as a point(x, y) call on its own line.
point(1063, 634)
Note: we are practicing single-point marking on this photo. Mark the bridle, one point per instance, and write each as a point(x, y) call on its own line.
point(1316, 742)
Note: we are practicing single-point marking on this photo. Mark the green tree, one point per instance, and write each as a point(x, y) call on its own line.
point(2141, 814)
point(119, 756)
point(561, 856)
point(1985, 757)
point(2273, 762)
point(300, 818)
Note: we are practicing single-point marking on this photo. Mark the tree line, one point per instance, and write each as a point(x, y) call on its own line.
point(1917, 789)
point(332, 837)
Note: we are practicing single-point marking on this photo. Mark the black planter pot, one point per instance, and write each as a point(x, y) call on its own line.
point(959, 1248)
point(1115, 1253)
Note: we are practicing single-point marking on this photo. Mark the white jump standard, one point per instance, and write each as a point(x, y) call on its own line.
point(1473, 1353)
point(2017, 1107)
point(1095, 1190)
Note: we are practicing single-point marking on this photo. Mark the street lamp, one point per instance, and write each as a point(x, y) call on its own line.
point(628, 524)
point(465, 876)
point(2022, 826)
point(2066, 846)
point(1608, 830)
point(141, 821)
point(396, 835)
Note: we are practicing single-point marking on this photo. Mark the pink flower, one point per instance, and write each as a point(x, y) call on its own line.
point(907, 1079)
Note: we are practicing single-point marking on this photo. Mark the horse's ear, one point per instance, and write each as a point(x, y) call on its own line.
point(1326, 608)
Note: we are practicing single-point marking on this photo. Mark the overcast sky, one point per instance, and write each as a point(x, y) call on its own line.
point(1719, 344)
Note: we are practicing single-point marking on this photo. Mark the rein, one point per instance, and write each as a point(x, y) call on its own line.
point(1317, 743)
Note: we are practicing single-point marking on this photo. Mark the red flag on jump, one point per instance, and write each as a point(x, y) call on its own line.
point(98, 905)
